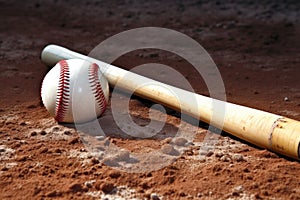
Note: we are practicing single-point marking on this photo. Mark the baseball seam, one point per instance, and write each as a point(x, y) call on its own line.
point(96, 87)
point(63, 91)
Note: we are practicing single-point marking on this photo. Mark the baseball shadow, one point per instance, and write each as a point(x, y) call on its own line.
point(106, 126)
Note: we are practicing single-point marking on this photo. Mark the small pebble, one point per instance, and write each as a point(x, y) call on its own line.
point(286, 99)
point(154, 196)
point(89, 184)
point(237, 190)
point(238, 157)
point(209, 153)
point(180, 141)
point(219, 154)
point(169, 149)
point(22, 158)
point(225, 158)
point(100, 137)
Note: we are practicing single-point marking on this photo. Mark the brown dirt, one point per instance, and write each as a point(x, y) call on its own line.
point(255, 45)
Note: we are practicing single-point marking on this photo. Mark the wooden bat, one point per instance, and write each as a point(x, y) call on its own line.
point(274, 132)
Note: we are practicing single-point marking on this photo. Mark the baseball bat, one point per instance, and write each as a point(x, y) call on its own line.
point(267, 130)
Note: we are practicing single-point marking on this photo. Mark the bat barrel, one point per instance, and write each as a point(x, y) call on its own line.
point(264, 129)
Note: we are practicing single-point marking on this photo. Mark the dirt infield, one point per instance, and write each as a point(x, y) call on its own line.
point(255, 46)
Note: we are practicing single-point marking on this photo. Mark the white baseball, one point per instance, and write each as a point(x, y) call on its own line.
point(75, 91)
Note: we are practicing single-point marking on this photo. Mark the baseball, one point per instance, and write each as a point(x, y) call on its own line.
point(75, 91)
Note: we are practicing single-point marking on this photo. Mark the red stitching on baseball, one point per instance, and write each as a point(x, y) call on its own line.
point(96, 86)
point(63, 91)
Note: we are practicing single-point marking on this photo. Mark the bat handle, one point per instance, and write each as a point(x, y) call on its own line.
point(51, 54)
